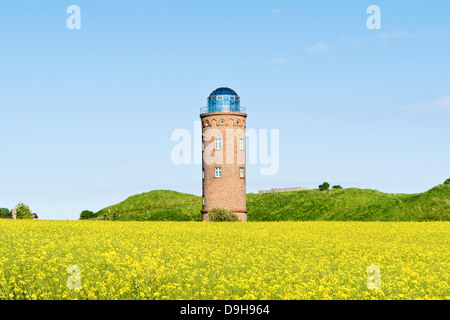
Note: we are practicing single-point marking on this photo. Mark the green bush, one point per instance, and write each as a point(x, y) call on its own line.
point(23, 211)
point(337, 187)
point(324, 186)
point(87, 214)
point(447, 181)
point(4, 212)
point(220, 214)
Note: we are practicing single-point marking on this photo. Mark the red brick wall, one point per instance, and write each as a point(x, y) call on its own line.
point(228, 191)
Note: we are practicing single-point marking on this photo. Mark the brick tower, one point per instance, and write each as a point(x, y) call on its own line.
point(224, 152)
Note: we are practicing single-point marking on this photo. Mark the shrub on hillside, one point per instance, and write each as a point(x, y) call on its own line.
point(87, 214)
point(220, 214)
point(4, 212)
point(337, 187)
point(447, 181)
point(23, 211)
point(324, 186)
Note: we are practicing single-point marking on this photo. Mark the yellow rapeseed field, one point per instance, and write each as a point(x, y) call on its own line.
point(192, 260)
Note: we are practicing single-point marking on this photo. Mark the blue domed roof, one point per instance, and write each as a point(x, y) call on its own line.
point(223, 100)
point(223, 91)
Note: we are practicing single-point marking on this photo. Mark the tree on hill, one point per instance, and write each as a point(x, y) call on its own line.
point(87, 214)
point(337, 187)
point(23, 211)
point(447, 181)
point(4, 212)
point(324, 186)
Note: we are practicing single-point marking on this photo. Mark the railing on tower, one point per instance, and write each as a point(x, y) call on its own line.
point(223, 109)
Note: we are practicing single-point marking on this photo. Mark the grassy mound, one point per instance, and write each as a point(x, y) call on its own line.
point(350, 204)
point(158, 205)
point(331, 205)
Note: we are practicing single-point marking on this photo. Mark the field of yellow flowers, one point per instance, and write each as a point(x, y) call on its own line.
point(192, 260)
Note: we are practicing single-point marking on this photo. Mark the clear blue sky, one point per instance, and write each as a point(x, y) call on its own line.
point(87, 115)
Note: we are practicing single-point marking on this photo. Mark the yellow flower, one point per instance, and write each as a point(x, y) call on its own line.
point(191, 260)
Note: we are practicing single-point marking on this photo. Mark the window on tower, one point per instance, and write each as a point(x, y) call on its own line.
point(241, 172)
point(218, 172)
point(241, 144)
point(218, 143)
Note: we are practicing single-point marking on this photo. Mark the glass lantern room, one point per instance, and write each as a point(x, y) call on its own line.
point(223, 100)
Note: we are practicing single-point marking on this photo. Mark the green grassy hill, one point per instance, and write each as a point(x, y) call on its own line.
point(332, 205)
point(350, 204)
point(158, 205)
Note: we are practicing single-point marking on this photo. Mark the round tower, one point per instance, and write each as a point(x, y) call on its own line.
point(224, 153)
